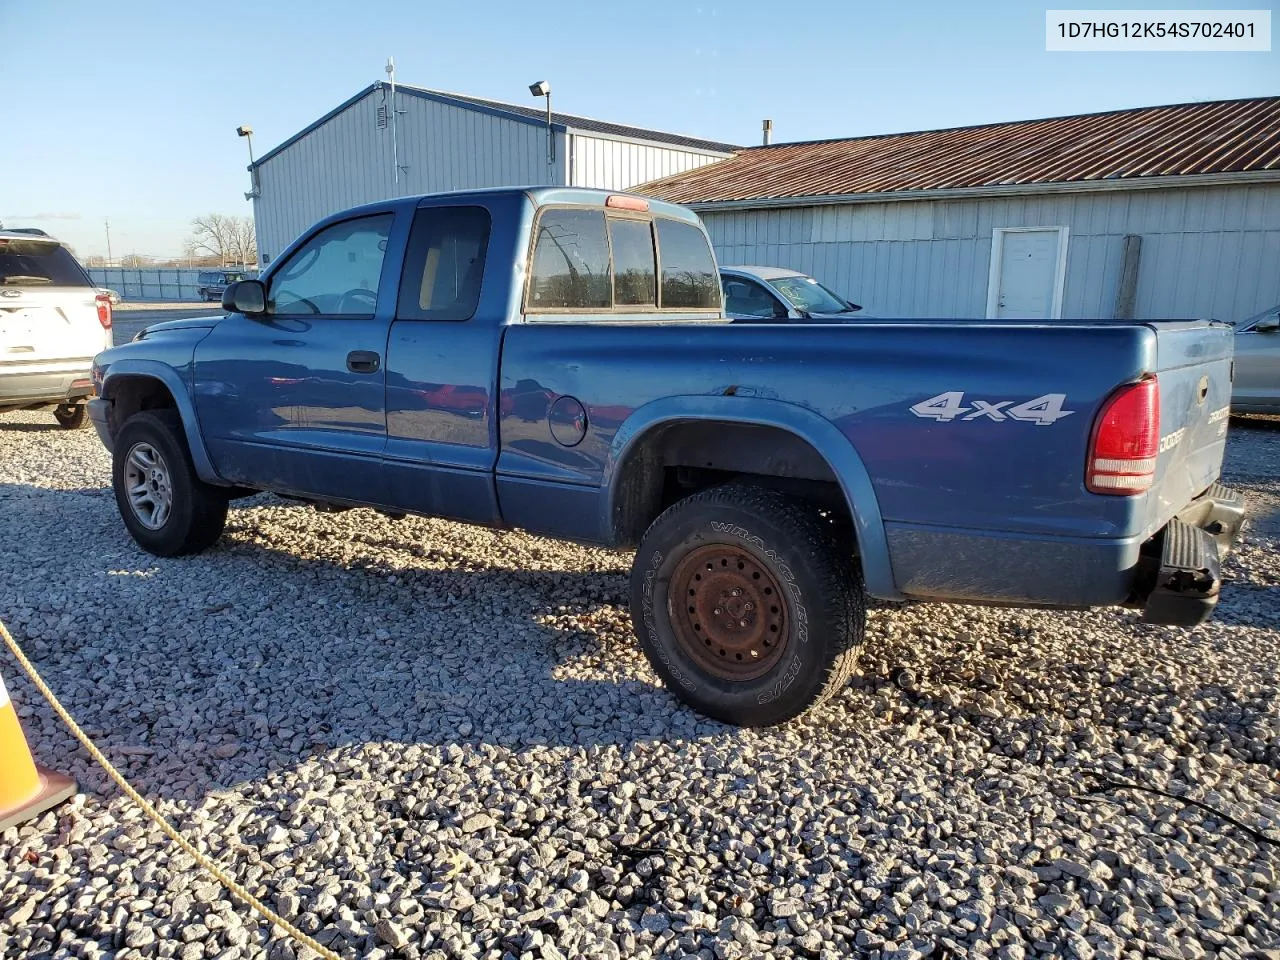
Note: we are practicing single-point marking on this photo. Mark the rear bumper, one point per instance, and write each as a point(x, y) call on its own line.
point(38, 385)
point(970, 566)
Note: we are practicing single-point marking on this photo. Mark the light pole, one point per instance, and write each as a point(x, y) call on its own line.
point(543, 89)
point(246, 131)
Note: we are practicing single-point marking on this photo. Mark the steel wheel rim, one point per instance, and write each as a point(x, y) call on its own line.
point(148, 485)
point(728, 612)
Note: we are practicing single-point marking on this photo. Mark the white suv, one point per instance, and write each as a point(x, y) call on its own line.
point(53, 321)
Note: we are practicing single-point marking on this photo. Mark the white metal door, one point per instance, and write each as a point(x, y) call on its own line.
point(1027, 267)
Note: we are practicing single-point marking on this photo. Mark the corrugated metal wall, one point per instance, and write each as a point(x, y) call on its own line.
point(1206, 251)
point(619, 164)
point(347, 161)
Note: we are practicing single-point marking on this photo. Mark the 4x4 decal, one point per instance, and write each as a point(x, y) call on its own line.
point(945, 407)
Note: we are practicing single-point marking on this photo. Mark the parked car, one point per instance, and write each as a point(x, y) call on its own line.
point(779, 295)
point(52, 322)
point(1256, 388)
point(212, 283)
point(534, 359)
point(112, 295)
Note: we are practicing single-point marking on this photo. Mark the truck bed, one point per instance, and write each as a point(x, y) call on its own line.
point(965, 501)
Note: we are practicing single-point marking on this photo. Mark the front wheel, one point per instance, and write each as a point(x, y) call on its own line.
point(747, 604)
point(71, 416)
point(167, 509)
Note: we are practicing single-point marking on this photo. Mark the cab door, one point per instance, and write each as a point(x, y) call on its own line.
point(294, 401)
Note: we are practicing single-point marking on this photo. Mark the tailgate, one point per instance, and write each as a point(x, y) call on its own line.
point(56, 323)
point(1194, 366)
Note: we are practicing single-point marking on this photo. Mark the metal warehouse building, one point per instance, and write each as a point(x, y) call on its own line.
point(399, 140)
point(1160, 212)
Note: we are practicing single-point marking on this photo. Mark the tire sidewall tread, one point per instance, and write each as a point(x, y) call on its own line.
point(827, 613)
point(199, 512)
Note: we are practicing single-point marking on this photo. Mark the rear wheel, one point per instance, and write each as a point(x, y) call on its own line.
point(747, 604)
point(71, 416)
point(167, 509)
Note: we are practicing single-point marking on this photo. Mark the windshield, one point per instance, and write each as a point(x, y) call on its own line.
point(1244, 326)
point(808, 295)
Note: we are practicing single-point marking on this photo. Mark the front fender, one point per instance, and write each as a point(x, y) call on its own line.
point(822, 435)
point(156, 370)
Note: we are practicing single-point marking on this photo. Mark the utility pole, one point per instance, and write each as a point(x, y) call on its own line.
point(106, 222)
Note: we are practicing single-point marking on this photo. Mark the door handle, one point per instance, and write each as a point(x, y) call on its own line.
point(363, 361)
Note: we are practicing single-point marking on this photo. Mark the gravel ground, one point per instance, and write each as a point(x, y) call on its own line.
point(431, 741)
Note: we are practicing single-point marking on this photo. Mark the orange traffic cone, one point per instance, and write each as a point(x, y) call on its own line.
point(25, 789)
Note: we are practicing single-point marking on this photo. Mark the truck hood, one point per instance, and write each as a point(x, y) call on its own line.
point(184, 323)
point(187, 323)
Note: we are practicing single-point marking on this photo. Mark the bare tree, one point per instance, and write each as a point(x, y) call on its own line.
point(226, 240)
point(95, 260)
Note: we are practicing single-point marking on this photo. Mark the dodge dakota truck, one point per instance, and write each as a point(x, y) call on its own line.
point(558, 360)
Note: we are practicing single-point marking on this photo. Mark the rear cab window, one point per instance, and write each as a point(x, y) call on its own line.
point(42, 263)
point(605, 261)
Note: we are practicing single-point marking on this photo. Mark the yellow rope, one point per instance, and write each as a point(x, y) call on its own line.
point(213, 868)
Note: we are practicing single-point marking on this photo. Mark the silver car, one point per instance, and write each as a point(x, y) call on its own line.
point(779, 295)
point(1256, 388)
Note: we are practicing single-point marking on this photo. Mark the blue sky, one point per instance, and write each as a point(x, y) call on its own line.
point(129, 110)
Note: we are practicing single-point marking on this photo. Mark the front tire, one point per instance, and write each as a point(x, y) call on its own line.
point(167, 509)
point(747, 605)
point(71, 416)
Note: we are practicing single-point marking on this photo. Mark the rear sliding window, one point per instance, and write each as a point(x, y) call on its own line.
point(634, 278)
point(38, 263)
point(585, 261)
point(444, 264)
point(688, 270)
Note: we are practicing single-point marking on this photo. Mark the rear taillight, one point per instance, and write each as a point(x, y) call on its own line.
point(1126, 441)
point(104, 310)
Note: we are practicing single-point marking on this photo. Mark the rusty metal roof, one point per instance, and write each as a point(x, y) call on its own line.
point(1190, 138)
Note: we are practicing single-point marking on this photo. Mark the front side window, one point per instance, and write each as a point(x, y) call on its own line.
point(744, 298)
point(635, 280)
point(688, 270)
point(335, 273)
point(444, 264)
point(570, 262)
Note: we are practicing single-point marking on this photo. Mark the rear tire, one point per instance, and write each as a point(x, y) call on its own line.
point(747, 605)
point(71, 416)
point(168, 510)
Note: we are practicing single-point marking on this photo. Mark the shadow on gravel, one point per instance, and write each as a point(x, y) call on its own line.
point(8, 426)
point(198, 672)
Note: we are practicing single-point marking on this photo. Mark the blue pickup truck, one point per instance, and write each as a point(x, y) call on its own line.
point(558, 360)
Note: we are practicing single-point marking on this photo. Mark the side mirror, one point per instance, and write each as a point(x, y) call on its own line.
point(1268, 325)
point(853, 306)
point(245, 296)
point(780, 311)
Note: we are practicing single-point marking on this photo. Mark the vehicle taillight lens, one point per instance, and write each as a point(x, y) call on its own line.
point(1126, 441)
point(104, 310)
